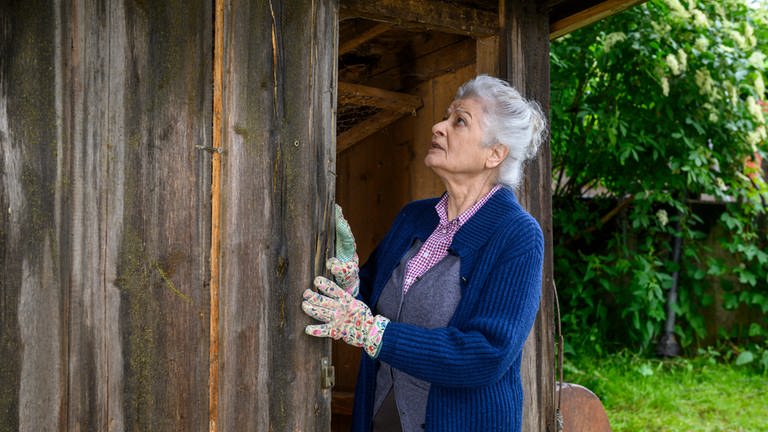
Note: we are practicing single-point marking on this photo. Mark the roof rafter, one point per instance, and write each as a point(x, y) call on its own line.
point(431, 15)
point(582, 17)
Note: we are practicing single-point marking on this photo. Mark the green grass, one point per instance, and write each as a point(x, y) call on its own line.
point(674, 395)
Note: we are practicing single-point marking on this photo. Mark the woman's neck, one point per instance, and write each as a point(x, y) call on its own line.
point(463, 195)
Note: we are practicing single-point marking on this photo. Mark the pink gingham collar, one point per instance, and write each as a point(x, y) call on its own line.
point(442, 210)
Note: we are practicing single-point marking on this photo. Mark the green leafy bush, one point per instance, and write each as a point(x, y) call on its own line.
point(658, 134)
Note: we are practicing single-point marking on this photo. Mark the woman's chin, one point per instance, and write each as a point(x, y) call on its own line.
point(432, 159)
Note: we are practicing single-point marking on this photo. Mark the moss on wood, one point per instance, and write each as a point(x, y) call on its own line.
point(140, 318)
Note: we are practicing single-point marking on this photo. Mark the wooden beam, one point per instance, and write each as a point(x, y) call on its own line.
point(430, 15)
point(363, 37)
point(525, 63)
point(428, 66)
point(366, 128)
point(355, 94)
point(583, 18)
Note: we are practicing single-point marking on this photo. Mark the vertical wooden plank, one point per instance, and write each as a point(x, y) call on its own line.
point(278, 105)
point(525, 63)
point(93, 158)
point(130, 155)
point(488, 56)
point(104, 228)
point(135, 219)
point(31, 310)
point(163, 259)
point(215, 273)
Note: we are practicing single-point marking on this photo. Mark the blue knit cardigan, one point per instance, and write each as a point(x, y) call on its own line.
point(473, 364)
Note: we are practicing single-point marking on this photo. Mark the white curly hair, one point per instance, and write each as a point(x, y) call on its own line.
point(511, 120)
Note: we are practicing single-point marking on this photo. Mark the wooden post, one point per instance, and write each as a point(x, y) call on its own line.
point(104, 110)
point(525, 63)
point(277, 135)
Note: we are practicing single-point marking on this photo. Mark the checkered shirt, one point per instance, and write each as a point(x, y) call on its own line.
point(436, 247)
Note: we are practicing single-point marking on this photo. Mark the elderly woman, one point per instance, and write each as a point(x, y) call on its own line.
point(444, 304)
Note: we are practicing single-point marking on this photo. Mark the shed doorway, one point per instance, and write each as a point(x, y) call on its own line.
point(395, 82)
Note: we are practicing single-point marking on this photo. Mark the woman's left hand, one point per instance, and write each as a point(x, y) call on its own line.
point(345, 265)
point(344, 316)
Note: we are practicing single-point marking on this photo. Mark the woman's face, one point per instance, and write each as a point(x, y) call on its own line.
point(456, 147)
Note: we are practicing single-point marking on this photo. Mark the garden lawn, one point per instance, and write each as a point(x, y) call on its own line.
point(674, 395)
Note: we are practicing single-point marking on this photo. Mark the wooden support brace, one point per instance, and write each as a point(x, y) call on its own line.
point(363, 37)
point(394, 105)
point(366, 128)
point(355, 94)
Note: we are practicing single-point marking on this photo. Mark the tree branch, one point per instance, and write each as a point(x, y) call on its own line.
point(603, 220)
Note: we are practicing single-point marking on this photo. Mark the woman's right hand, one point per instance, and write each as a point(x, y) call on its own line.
point(344, 317)
point(345, 265)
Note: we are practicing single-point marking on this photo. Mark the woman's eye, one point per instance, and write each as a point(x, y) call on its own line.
point(460, 121)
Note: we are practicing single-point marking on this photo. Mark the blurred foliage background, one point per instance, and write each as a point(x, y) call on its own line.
point(659, 140)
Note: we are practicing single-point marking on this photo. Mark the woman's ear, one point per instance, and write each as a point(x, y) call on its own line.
point(496, 156)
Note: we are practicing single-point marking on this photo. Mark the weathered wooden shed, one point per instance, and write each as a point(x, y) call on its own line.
point(167, 174)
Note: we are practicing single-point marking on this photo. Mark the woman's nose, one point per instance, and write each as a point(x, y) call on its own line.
point(439, 128)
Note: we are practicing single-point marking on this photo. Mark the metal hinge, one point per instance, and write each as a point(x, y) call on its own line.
point(327, 373)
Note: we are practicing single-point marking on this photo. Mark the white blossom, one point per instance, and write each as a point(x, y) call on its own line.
point(700, 18)
point(612, 39)
point(704, 82)
point(661, 28)
point(760, 86)
point(665, 86)
point(721, 184)
point(682, 59)
point(702, 43)
point(713, 116)
point(732, 93)
point(755, 110)
point(741, 42)
point(662, 217)
point(674, 66)
point(757, 59)
point(757, 136)
point(749, 35)
point(677, 9)
point(719, 9)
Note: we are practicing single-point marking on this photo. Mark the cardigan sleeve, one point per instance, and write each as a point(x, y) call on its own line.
point(480, 350)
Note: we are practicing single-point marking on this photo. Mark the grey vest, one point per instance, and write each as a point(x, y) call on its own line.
point(430, 303)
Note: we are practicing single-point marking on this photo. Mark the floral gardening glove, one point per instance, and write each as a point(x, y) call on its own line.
point(345, 265)
point(346, 317)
